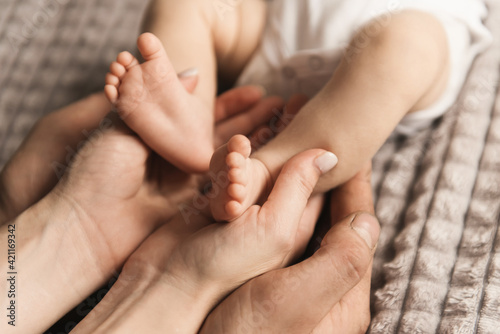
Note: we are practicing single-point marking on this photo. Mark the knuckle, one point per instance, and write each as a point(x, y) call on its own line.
point(354, 269)
point(305, 186)
point(303, 179)
point(352, 264)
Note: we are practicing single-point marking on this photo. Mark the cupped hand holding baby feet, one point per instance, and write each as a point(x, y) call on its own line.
point(326, 293)
point(114, 193)
point(51, 145)
point(152, 101)
point(37, 165)
point(186, 268)
point(139, 289)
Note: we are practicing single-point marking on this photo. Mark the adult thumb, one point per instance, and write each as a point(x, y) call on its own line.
point(295, 184)
point(322, 280)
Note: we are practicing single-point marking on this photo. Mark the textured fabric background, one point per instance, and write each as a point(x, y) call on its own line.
point(53, 52)
point(437, 268)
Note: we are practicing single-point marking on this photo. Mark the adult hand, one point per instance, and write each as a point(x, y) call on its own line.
point(118, 171)
point(142, 279)
point(54, 141)
point(183, 270)
point(327, 293)
point(30, 175)
point(96, 219)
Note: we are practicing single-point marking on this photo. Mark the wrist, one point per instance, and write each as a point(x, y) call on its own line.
point(54, 263)
point(188, 303)
point(160, 303)
point(192, 294)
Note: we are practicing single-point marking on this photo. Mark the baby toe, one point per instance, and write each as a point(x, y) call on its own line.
point(117, 69)
point(112, 80)
point(237, 192)
point(150, 47)
point(235, 160)
point(126, 59)
point(111, 93)
point(237, 175)
point(240, 144)
point(233, 208)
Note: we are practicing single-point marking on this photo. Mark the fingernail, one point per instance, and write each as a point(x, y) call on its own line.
point(326, 162)
point(367, 227)
point(189, 73)
point(263, 90)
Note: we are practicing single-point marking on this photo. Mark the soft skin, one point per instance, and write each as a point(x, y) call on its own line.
point(401, 68)
point(62, 219)
point(71, 234)
point(315, 295)
point(185, 270)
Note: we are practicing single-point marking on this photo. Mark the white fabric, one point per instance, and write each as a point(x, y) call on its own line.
point(305, 40)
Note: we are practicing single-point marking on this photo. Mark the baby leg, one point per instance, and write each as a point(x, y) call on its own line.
point(402, 68)
point(217, 37)
point(177, 125)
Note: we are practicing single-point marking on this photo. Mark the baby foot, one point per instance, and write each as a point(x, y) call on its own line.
point(153, 102)
point(248, 179)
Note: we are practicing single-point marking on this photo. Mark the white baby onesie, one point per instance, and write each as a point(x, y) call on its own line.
point(305, 40)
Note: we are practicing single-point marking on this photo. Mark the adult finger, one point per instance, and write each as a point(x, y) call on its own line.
point(341, 267)
point(294, 186)
point(306, 227)
point(336, 268)
point(237, 100)
point(296, 299)
point(352, 314)
point(354, 195)
point(40, 161)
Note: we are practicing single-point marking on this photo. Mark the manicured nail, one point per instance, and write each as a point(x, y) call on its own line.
point(326, 162)
point(189, 73)
point(367, 227)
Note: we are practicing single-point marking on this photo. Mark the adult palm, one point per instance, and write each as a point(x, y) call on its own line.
point(122, 191)
point(112, 176)
point(327, 293)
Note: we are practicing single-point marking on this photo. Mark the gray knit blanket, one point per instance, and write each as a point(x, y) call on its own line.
point(437, 266)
